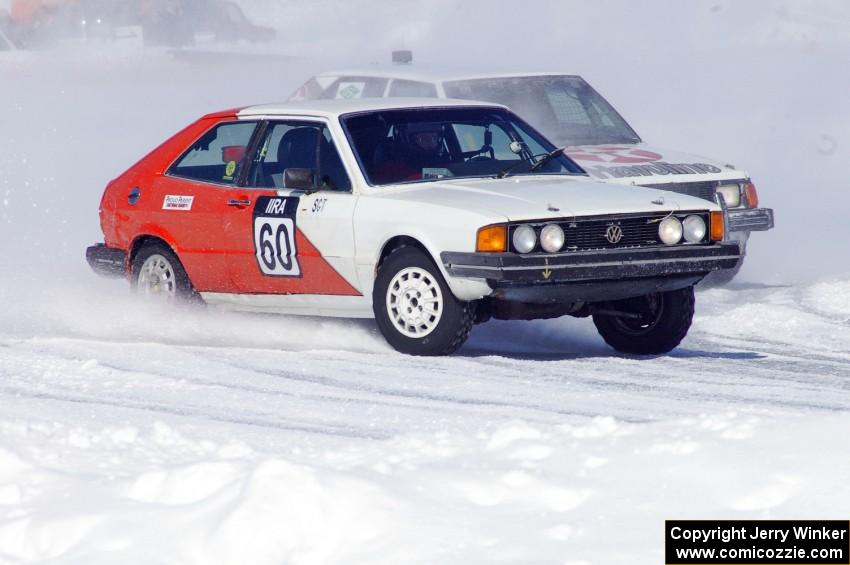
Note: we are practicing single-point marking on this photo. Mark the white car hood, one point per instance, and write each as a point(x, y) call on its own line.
point(643, 164)
point(523, 198)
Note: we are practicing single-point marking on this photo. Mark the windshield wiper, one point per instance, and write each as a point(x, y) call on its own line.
point(505, 172)
point(549, 156)
point(544, 158)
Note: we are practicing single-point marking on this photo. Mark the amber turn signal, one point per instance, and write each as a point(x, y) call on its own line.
point(752, 195)
point(717, 227)
point(492, 239)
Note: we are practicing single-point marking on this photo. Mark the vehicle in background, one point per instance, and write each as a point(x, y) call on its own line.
point(5, 27)
point(427, 215)
point(174, 23)
point(574, 115)
point(9, 50)
point(5, 43)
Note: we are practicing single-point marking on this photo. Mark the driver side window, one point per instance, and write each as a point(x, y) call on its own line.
point(302, 146)
point(285, 145)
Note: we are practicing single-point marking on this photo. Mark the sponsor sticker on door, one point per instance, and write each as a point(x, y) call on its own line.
point(176, 202)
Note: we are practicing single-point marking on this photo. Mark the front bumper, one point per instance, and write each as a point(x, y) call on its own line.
point(582, 266)
point(107, 261)
point(592, 276)
point(750, 219)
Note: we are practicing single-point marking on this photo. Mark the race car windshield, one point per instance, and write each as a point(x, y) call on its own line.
point(565, 108)
point(403, 146)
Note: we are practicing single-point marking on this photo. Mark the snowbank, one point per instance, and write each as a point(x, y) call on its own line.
point(216, 438)
point(595, 492)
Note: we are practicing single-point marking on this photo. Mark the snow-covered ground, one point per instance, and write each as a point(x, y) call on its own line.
point(130, 434)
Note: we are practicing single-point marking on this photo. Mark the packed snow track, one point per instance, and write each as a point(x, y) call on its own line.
point(750, 349)
point(220, 425)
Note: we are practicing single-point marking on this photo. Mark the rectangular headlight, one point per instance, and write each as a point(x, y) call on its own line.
point(731, 194)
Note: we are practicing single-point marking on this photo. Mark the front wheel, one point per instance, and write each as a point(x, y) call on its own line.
point(414, 307)
point(647, 325)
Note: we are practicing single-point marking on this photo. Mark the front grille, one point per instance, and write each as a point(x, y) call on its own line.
point(588, 233)
point(704, 190)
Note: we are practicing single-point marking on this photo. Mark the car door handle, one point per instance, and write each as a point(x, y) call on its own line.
point(238, 203)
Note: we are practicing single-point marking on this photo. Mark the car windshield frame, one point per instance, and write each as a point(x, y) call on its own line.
point(477, 112)
point(621, 131)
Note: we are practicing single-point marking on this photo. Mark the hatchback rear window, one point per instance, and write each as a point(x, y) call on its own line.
point(217, 156)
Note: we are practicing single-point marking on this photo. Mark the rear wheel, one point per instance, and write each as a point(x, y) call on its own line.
point(647, 325)
point(414, 307)
point(159, 275)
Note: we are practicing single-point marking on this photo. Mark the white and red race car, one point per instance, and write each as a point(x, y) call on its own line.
point(428, 215)
point(571, 113)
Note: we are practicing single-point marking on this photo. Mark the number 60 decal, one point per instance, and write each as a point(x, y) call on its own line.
point(274, 240)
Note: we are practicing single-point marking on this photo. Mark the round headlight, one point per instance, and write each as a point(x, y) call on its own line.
point(524, 239)
point(694, 228)
point(731, 194)
point(552, 238)
point(670, 230)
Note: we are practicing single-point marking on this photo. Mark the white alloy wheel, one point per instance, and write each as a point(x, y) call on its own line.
point(414, 302)
point(157, 278)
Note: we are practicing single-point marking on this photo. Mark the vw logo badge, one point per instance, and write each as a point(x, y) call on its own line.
point(614, 234)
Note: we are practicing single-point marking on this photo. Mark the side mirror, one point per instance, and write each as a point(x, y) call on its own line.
point(299, 179)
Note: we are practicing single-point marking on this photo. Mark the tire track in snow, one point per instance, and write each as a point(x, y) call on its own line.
point(378, 394)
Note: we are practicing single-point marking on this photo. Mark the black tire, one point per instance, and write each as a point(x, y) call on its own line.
point(664, 323)
point(183, 291)
point(456, 317)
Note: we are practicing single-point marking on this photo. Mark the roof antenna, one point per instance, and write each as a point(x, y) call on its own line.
point(403, 57)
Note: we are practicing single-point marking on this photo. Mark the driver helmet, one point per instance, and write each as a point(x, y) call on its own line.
point(424, 138)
